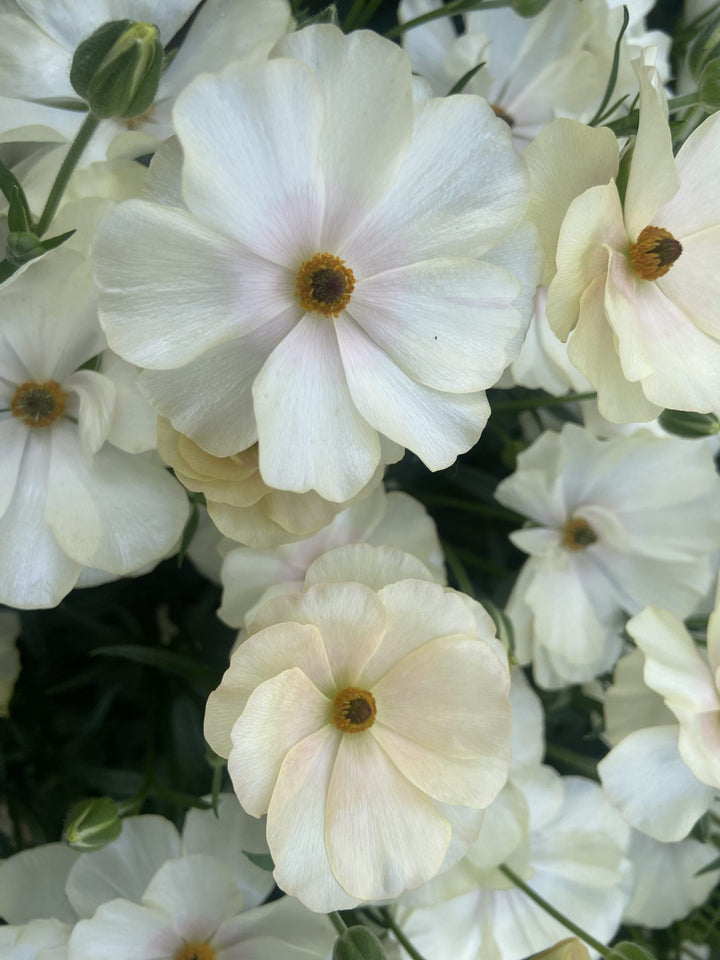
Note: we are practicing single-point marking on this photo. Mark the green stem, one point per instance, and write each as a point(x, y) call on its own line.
point(353, 14)
point(555, 914)
point(533, 404)
point(399, 935)
point(449, 10)
point(629, 123)
point(458, 570)
point(577, 761)
point(88, 128)
point(469, 506)
point(337, 921)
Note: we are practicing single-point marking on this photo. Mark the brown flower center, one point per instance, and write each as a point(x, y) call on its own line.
point(354, 710)
point(578, 534)
point(38, 404)
point(196, 951)
point(324, 285)
point(502, 115)
point(654, 253)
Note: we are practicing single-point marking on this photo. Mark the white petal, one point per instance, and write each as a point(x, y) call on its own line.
point(693, 283)
point(383, 834)
point(645, 778)
point(239, 177)
point(118, 514)
point(97, 395)
point(32, 883)
point(373, 566)
point(279, 713)
point(436, 426)
point(296, 824)
point(121, 929)
point(173, 289)
point(19, 76)
point(310, 433)
point(367, 118)
point(13, 437)
point(696, 205)
point(408, 526)
point(460, 188)
point(447, 323)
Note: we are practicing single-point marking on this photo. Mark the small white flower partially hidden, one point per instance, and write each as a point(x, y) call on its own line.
point(368, 716)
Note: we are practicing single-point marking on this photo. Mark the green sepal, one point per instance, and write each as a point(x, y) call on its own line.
point(9, 184)
point(358, 943)
point(684, 423)
point(23, 246)
point(92, 823)
point(17, 218)
point(709, 85)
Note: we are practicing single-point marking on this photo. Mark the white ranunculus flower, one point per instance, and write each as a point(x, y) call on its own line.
point(70, 498)
point(636, 281)
point(349, 266)
point(368, 717)
point(38, 940)
point(393, 520)
point(39, 40)
point(564, 840)
point(617, 524)
point(9, 657)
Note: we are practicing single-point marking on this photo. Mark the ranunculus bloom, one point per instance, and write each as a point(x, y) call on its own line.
point(349, 272)
point(369, 718)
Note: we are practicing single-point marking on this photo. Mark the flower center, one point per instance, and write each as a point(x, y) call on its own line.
point(502, 115)
point(578, 534)
point(196, 951)
point(324, 285)
point(353, 710)
point(654, 253)
point(38, 404)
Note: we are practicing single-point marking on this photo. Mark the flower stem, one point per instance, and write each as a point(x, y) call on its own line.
point(549, 909)
point(470, 506)
point(585, 765)
point(455, 6)
point(337, 921)
point(399, 935)
point(88, 128)
point(533, 403)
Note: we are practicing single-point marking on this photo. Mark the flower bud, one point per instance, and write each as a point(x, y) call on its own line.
point(92, 824)
point(528, 8)
point(683, 423)
point(705, 46)
point(22, 246)
point(709, 86)
point(570, 949)
point(358, 943)
point(117, 69)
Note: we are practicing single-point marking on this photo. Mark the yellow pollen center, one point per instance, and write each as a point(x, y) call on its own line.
point(324, 285)
point(654, 253)
point(196, 951)
point(502, 115)
point(578, 534)
point(354, 710)
point(38, 404)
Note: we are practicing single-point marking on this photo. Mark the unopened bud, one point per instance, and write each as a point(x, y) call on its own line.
point(683, 423)
point(92, 824)
point(117, 69)
point(709, 86)
point(570, 949)
point(358, 943)
point(705, 46)
point(528, 8)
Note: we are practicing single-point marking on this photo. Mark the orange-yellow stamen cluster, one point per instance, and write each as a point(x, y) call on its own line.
point(196, 951)
point(654, 253)
point(324, 285)
point(354, 710)
point(38, 404)
point(578, 534)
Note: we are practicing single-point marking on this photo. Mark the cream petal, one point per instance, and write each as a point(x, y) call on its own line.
point(374, 823)
point(238, 175)
point(447, 323)
point(408, 526)
point(210, 398)
point(367, 118)
point(279, 713)
point(417, 612)
point(311, 435)
point(263, 655)
point(645, 778)
point(117, 514)
point(692, 283)
point(696, 205)
point(173, 289)
point(98, 397)
point(296, 824)
point(121, 929)
point(436, 426)
point(460, 189)
point(362, 563)
point(449, 695)
point(246, 573)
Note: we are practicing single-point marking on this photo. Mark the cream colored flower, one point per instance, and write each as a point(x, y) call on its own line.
point(368, 717)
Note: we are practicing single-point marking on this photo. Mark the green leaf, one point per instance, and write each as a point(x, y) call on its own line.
point(710, 867)
point(612, 79)
point(166, 660)
point(262, 860)
point(358, 943)
point(465, 79)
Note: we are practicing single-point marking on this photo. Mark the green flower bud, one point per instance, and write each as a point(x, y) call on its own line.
point(358, 943)
point(682, 423)
point(92, 824)
point(709, 86)
point(705, 46)
point(528, 8)
point(117, 69)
